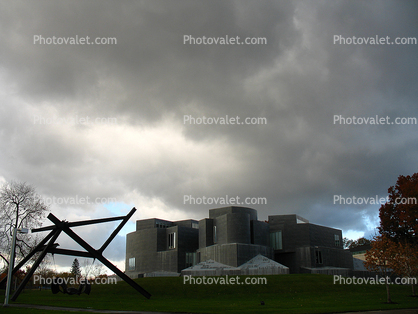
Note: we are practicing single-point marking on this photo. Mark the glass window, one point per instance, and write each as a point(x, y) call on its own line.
point(190, 259)
point(172, 240)
point(337, 240)
point(318, 257)
point(131, 263)
point(215, 236)
point(276, 240)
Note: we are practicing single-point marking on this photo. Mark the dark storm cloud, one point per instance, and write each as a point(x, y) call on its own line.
point(150, 59)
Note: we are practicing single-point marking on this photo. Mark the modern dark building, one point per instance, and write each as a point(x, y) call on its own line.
point(303, 246)
point(161, 245)
point(232, 236)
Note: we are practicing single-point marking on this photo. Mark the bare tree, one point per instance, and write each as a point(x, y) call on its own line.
point(20, 207)
point(87, 268)
point(91, 268)
point(98, 270)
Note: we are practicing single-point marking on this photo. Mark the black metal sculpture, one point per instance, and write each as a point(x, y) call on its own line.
point(51, 247)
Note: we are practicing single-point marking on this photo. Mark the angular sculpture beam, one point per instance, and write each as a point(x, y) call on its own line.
point(65, 226)
point(35, 265)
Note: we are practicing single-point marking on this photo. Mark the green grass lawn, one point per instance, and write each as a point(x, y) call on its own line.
point(296, 293)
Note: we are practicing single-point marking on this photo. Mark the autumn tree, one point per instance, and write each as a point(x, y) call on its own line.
point(399, 222)
point(350, 244)
point(379, 258)
point(398, 241)
point(405, 261)
point(20, 207)
point(399, 216)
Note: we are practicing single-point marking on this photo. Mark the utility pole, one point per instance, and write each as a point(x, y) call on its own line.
point(11, 264)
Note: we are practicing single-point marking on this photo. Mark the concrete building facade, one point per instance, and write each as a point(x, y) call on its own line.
point(161, 245)
point(233, 235)
point(303, 246)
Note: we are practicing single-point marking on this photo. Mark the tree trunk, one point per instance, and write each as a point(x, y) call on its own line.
point(388, 292)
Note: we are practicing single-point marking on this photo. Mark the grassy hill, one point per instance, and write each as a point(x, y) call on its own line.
point(296, 293)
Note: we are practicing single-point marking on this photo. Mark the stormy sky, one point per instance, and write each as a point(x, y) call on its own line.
point(107, 121)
